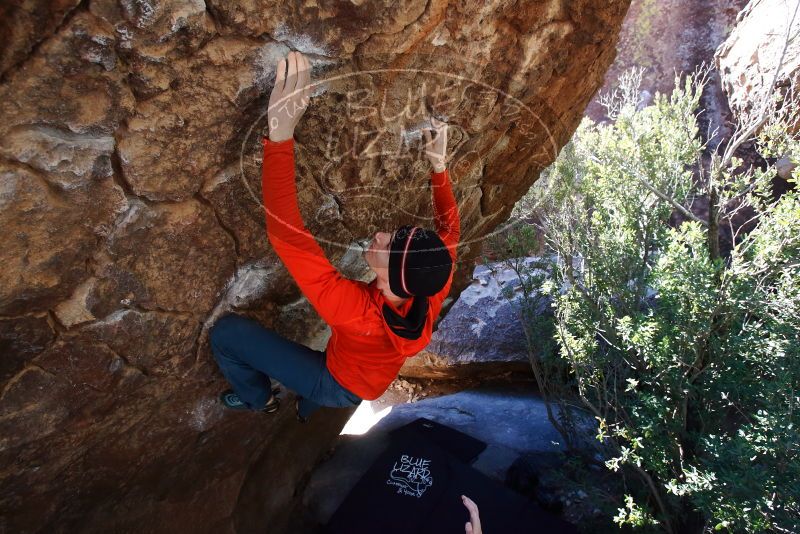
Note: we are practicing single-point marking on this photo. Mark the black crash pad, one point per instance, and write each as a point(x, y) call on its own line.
point(415, 487)
point(463, 446)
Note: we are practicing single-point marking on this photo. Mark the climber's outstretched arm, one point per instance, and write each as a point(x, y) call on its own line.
point(337, 299)
point(445, 208)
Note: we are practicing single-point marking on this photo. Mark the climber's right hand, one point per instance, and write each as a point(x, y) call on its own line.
point(290, 96)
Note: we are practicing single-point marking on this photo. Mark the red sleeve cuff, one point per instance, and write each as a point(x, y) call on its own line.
point(268, 143)
point(439, 175)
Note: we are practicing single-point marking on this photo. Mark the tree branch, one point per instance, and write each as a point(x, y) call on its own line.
point(674, 203)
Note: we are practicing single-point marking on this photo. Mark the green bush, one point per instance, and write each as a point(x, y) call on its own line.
point(687, 358)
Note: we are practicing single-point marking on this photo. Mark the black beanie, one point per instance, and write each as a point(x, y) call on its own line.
point(419, 262)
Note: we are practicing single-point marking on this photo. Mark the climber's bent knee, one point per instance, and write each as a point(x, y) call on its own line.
point(224, 329)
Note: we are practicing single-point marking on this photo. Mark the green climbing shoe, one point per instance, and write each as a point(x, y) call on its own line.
point(232, 401)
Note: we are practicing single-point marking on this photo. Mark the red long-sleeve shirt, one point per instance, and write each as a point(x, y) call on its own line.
point(363, 354)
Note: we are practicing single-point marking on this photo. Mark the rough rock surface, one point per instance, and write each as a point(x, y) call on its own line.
point(749, 57)
point(129, 188)
point(481, 334)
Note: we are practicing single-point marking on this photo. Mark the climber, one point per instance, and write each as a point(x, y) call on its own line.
point(374, 326)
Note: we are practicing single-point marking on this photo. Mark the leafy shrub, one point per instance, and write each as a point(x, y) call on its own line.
point(688, 359)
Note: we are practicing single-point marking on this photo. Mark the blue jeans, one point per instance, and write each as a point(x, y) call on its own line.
point(249, 354)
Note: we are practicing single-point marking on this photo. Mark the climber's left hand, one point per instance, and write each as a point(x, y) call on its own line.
point(290, 96)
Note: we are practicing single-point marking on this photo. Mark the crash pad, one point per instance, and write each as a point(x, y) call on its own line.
point(415, 487)
point(463, 446)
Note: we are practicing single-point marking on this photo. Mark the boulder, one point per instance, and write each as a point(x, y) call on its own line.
point(131, 215)
point(482, 333)
point(668, 37)
point(748, 59)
